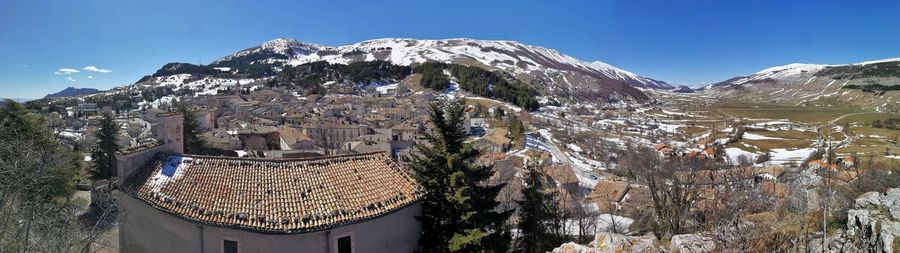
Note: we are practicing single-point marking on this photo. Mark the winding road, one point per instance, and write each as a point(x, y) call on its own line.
point(586, 177)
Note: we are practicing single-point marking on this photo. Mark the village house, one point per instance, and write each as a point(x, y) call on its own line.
point(173, 202)
point(664, 150)
point(494, 141)
point(609, 194)
point(333, 135)
point(86, 109)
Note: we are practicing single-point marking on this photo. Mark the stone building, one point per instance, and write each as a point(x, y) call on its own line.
point(173, 202)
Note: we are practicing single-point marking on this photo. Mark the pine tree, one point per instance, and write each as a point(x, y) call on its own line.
point(36, 185)
point(103, 154)
point(539, 218)
point(193, 143)
point(516, 128)
point(499, 113)
point(459, 207)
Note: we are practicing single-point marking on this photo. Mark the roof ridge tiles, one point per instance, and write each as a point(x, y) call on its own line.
point(264, 194)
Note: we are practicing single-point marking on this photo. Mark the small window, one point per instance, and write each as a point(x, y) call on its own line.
point(230, 246)
point(344, 245)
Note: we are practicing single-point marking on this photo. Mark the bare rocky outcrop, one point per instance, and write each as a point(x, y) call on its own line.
point(875, 221)
point(692, 243)
point(839, 242)
point(610, 242)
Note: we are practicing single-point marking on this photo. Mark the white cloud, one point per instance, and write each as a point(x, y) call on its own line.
point(90, 77)
point(96, 69)
point(66, 71)
point(70, 79)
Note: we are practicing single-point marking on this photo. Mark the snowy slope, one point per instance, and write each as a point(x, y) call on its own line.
point(510, 56)
point(815, 84)
point(784, 72)
point(280, 47)
point(791, 71)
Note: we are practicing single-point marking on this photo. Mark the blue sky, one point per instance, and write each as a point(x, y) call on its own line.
point(681, 42)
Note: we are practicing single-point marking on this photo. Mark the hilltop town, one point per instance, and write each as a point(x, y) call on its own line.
point(325, 149)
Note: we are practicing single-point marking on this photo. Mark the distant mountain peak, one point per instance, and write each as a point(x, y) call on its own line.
point(803, 83)
point(795, 70)
point(282, 48)
point(72, 91)
point(287, 45)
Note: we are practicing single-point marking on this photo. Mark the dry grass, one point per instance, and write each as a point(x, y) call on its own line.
point(484, 102)
point(692, 131)
point(776, 111)
point(867, 118)
point(887, 133)
point(413, 82)
point(766, 145)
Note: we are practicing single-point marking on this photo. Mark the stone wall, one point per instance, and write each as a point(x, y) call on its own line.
point(147, 229)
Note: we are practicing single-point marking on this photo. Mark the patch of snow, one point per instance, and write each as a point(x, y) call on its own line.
point(602, 223)
point(782, 156)
point(386, 88)
point(878, 61)
point(734, 155)
point(573, 147)
point(753, 136)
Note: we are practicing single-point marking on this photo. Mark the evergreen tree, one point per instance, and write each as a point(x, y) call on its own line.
point(459, 206)
point(37, 182)
point(499, 113)
point(193, 143)
point(103, 154)
point(516, 128)
point(539, 217)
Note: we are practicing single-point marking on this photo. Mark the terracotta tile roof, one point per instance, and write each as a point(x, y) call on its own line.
point(164, 114)
point(275, 196)
point(497, 136)
point(142, 146)
point(610, 190)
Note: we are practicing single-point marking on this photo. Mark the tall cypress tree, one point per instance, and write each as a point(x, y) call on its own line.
point(459, 206)
point(516, 127)
point(103, 154)
point(539, 221)
point(193, 144)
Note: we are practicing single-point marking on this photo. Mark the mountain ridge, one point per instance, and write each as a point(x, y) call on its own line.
point(869, 84)
point(555, 73)
point(72, 91)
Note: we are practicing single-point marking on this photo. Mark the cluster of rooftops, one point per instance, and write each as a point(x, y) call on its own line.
point(275, 196)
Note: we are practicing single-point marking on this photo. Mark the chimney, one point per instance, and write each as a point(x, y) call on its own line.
point(169, 134)
point(169, 131)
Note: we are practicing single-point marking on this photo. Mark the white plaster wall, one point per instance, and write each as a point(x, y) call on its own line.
point(147, 229)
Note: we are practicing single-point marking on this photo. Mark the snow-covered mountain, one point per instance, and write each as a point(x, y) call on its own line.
point(860, 84)
point(271, 51)
point(552, 72)
point(510, 56)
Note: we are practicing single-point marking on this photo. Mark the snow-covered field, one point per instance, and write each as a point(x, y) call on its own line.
point(782, 156)
point(753, 136)
point(734, 155)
